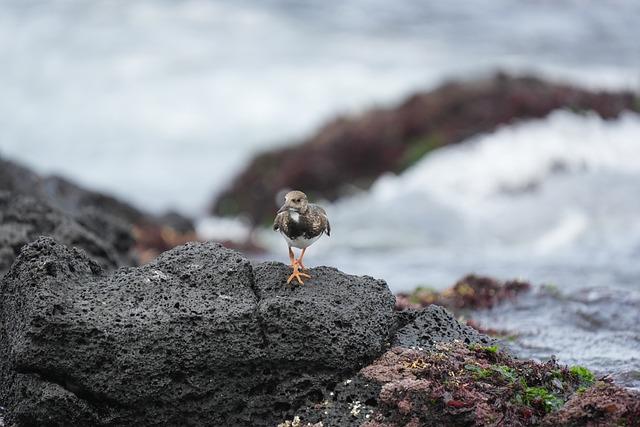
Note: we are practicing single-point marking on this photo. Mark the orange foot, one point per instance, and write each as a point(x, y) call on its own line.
point(297, 274)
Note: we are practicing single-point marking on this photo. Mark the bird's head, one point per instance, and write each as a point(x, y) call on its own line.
point(296, 200)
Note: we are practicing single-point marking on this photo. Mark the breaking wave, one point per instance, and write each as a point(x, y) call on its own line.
point(545, 198)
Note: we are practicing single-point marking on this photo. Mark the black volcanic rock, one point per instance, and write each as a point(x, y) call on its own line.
point(113, 230)
point(196, 337)
point(435, 324)
point(17, 178)
point(346, 327)
point(23, 219)
point(122, 225)
point(201, 337)
point(63, 193)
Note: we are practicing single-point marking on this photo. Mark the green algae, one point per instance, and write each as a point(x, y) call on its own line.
point(417, 149)
point(585, 376)
point(550, 401)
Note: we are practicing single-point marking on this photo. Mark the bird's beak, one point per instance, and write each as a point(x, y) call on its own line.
point(283, 208)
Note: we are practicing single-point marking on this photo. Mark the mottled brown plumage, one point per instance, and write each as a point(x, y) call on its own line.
point(301, 224)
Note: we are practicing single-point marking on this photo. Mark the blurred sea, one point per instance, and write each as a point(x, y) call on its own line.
point(161, 102)
point(554, 201)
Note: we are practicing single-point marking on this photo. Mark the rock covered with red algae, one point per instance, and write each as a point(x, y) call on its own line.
point(604, 404)
point(351, 152)
point(472, 292)
point(454, 384)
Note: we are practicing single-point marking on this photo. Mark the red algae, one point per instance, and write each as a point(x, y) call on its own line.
point(472, 292)
point(600, 405)
point(351, 152)
point(460, 385)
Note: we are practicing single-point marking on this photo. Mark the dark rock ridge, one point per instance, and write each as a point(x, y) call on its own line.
point(122, 225)
point(352, 151)
point(470, 293)
point(425, 328)
point(63, 193)
point(196, 337)
point(24, 219)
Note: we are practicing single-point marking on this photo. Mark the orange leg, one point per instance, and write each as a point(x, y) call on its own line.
point(299, 260)
point(292, 257)
point(295, 264)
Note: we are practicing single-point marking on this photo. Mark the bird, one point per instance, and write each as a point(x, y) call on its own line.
point(301, 223)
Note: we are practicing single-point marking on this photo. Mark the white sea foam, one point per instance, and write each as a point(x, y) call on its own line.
point(216, 228)
point(538, 198)
point(520, 156)
point(162, 102)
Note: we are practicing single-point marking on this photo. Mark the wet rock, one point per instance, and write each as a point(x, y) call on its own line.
point(23, 219)
point(356, 399)
point(351, 152)
point(113, 230)
point(436, 325)
point(62, 193)
point(18, 179)
point(74, 199)
point(177, 222)
point(196, 337)
point(604, 404)
point(123, 225)
point(472, 292)
point(457, 384)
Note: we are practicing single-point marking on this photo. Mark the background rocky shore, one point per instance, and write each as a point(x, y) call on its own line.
point(349, 153)
point(102, 323)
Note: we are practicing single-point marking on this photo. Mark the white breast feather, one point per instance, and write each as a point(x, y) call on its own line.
point(300, 242)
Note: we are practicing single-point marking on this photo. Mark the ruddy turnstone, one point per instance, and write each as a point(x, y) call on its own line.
point(301, 223)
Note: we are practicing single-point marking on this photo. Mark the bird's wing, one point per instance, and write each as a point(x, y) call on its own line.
point(278, 219)
point(325, 219)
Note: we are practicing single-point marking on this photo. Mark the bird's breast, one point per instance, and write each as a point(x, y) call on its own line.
point(300, 242)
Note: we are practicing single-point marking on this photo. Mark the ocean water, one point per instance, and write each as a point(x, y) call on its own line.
point(552, 201)
point(161, 102)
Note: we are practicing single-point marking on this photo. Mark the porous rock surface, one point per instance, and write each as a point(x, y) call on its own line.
point(353, 401)
point(196, 337)
point(433, 325)
point(23, 219)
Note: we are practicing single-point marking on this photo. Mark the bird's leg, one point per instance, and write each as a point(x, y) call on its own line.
point(295, 264)
point(299, 260)
point(292, 257)
point(297, 274)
